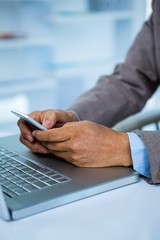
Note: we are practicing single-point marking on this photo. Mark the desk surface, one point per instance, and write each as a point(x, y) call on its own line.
point(131, 212)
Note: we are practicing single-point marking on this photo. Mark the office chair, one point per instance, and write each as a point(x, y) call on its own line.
point(140, 121)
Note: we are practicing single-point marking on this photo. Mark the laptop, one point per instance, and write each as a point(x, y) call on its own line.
point(31, 183)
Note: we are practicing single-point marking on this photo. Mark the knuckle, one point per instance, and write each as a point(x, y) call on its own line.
point(50, 112)
point(75, 146)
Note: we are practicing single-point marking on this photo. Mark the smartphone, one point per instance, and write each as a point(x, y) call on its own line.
point(28, 119)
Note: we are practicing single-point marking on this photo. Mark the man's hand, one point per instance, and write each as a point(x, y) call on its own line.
point(86, 144)
point(49, 119)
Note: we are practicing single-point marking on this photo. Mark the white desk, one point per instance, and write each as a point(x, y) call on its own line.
point(128, 213)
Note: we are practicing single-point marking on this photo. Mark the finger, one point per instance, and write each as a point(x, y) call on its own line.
point(35, 146)
point(58, 146)
point(49, 119)
point(54, 118)
point(52, 135)
point(26, 131)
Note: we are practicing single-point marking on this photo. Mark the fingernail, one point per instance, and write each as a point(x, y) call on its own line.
point(42, 150)
point(48, 123)
point(34, 133)
point(29, 138)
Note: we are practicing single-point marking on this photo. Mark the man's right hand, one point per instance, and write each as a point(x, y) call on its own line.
point(49, 119)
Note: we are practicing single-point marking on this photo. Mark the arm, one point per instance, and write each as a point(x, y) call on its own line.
point(125, 91)
point(112, 99)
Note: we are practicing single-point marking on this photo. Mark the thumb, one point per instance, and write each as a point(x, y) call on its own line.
point(48, 120)
point(48, 123)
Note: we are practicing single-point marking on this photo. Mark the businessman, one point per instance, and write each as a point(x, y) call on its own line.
point(83, 134)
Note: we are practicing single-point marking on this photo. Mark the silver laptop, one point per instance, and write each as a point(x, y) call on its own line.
point(31, 183)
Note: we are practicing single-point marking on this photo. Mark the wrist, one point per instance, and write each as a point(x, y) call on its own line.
point(124, 151)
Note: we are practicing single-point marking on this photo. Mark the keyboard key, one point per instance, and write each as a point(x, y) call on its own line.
point(1, 178)
point(16, 172)
point(20, 182)
point(27, 169)
point(1, 162)
point(4, 158)
point(16, 189)
point(13, 178)
point(6, 174)
point(29, 187)
point(2, 170)
point(44, 178)
point(22, 175)
point(39, 184)
point(19, 176)
point(50, 173)
point(56, 176)
point(8, 192)
point(42, 170)
point(4, 165)
point(20, 191)
point(9, 168)
point(7, 159)
point(51, 182)
point(62, 180)
point(14, 163)
point(30, 179)
point(20, 166)
point(31, 172)
point(39, 175)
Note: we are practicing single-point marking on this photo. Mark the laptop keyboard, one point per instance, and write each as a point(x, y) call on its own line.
point(19, 176)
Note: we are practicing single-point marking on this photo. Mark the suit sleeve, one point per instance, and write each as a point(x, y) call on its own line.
point(151, 140)
point(125, 92)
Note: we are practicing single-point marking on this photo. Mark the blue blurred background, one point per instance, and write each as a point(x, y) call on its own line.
point(53, 50)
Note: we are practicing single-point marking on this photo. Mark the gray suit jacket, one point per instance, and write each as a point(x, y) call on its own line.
point(125, 92)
